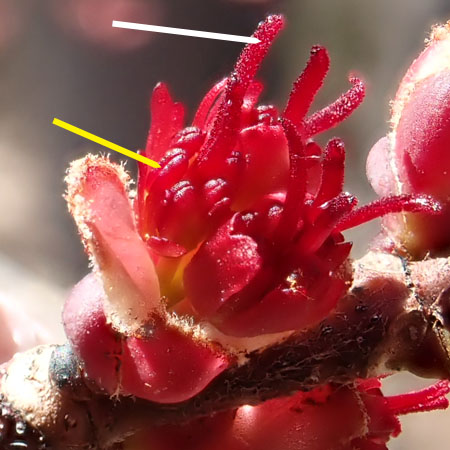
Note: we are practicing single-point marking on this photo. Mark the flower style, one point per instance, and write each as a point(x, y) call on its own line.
point(237, 236)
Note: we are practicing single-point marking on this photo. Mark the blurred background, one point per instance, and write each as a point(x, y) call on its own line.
point(62, 58)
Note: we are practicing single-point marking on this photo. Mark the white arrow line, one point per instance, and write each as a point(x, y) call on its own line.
point(183, 32)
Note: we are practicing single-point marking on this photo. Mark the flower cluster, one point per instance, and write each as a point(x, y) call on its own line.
point(249, 206)
point(238, 236)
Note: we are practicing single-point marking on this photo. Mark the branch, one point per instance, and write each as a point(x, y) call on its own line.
point(394, 317)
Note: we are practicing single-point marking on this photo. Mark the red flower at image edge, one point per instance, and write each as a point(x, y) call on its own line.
point(355, 417)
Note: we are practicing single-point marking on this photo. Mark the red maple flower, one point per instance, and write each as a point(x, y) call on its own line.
point(249, 203)
point(353, 417)
point(238, 235)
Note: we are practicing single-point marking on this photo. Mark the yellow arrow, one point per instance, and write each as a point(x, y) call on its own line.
point(105, 143)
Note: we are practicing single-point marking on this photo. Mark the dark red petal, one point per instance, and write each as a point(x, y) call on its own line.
point(264, 149)
point(338, 111)
point(307, 85)
point(283, 310)
point(222, 267)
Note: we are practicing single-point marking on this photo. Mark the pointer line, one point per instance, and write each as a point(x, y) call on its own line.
point(105, 143)
point(184, 32)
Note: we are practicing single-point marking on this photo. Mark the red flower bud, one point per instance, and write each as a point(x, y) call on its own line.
point(350, 417)
point(414, 158)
